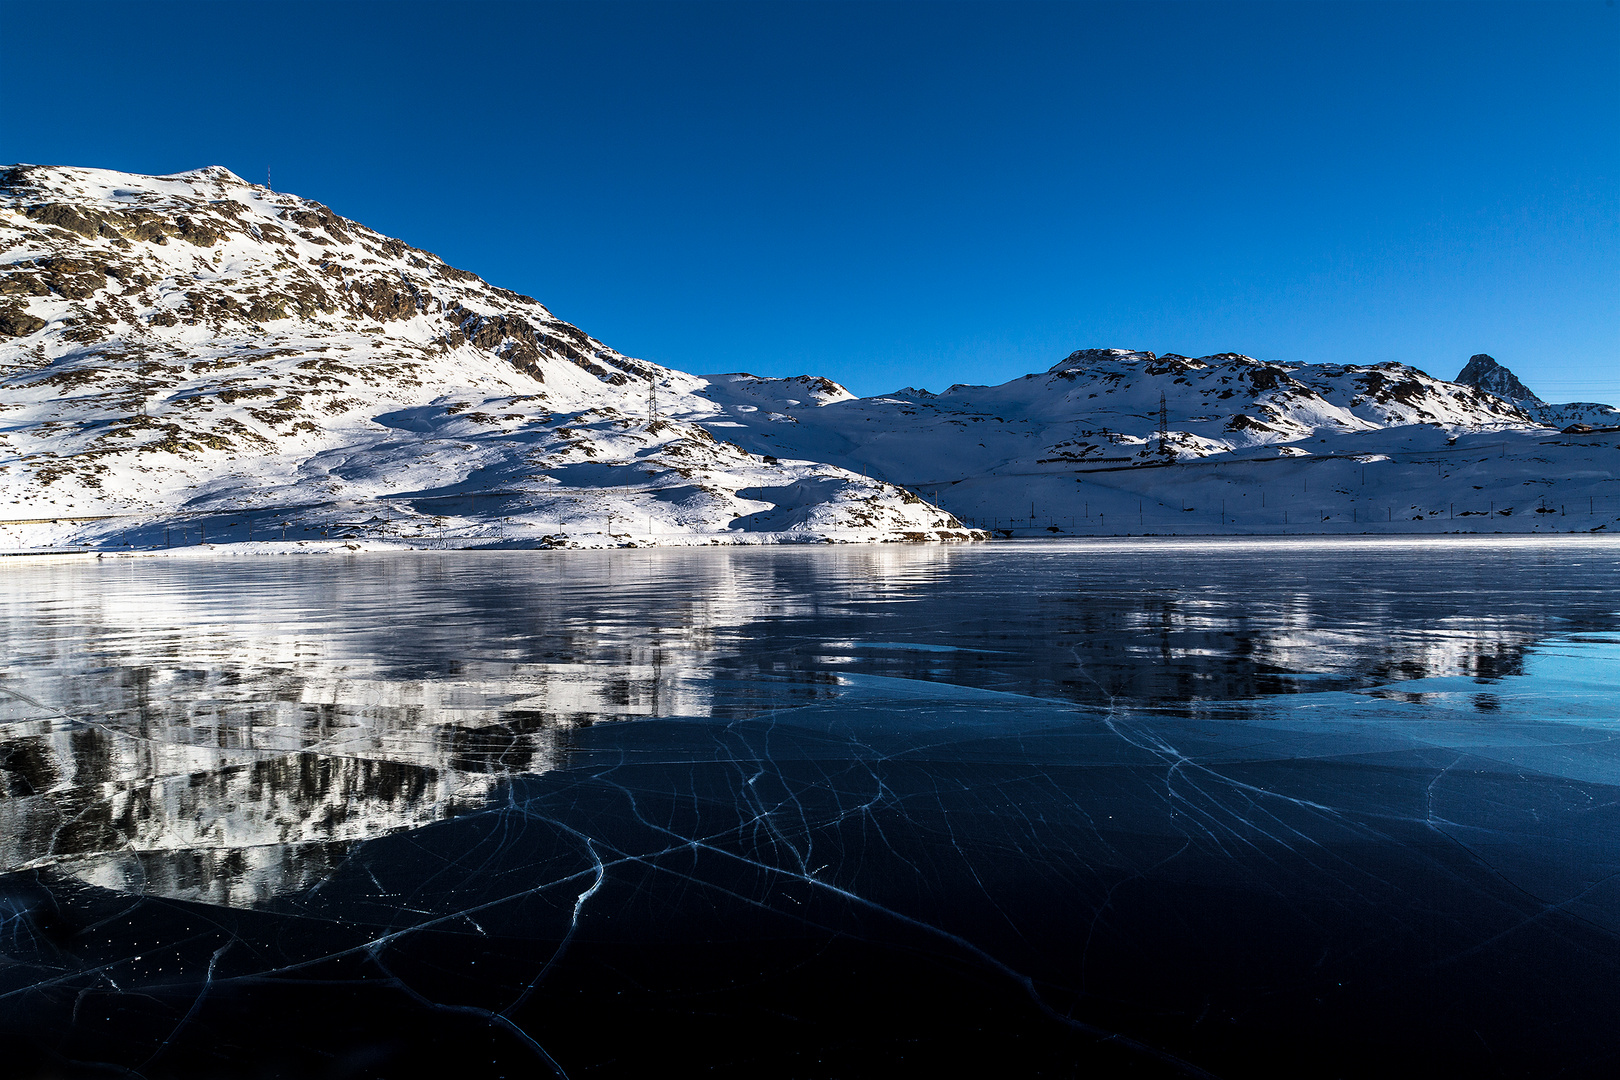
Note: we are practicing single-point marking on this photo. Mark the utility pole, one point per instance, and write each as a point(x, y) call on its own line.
point(652, 401)
point(1164, 425)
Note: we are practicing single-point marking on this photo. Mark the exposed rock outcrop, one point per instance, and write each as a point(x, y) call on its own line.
point(1483, 372)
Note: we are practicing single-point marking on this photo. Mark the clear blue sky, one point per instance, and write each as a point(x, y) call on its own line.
point(899, 193)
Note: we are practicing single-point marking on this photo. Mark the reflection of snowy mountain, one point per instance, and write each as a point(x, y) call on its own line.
point(192, 351)
point(228, 730)
point(1013, 763)
point(230, 826)
point(225, 736)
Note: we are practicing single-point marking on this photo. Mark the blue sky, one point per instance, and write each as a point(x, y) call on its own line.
point(915, 194)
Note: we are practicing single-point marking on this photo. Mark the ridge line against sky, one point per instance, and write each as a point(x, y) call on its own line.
point(917, 194)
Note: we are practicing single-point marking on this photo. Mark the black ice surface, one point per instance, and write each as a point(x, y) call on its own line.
point(1045, 809)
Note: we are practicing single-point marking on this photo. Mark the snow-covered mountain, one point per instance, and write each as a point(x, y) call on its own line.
point(1103, 405)
point(1112, 441)
point(195, 357)
point(1483, 372)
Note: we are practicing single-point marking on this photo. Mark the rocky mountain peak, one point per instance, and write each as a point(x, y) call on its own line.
point(1482, 372)
point(1082, 358)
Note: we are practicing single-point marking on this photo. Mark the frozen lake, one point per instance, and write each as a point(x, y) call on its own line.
point(1180, 808)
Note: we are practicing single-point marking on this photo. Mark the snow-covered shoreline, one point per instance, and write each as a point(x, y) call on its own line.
point(1367, 542)
point(465, 545)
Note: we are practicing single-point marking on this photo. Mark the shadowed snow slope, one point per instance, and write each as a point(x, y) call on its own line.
point(194, 357)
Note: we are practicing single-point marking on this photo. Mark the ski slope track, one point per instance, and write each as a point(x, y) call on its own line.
point(194, 360)
point(196, 363)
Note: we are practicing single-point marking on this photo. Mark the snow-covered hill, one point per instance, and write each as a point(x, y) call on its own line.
point(1112, 441)
point(194, 357)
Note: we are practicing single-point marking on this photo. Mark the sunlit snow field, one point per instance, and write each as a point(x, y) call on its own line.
point(1033, 808)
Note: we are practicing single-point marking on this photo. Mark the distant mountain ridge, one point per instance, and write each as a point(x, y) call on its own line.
point(1105, 404)
point(1169, 443)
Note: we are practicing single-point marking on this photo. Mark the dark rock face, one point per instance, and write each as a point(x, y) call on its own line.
point(321, 218)
point(1268, 377)
point(15, 322)
point(1378, 387)
point(1085, 357)
point(1484, 373)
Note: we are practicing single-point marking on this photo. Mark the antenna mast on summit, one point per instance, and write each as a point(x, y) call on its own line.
point(267, 186)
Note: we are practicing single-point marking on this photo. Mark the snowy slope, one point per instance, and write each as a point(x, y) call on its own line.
point(1245, 446)
point(194, 357)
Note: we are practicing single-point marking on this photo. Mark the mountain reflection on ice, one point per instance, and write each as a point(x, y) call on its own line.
point(1160, 806)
